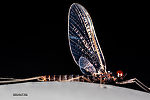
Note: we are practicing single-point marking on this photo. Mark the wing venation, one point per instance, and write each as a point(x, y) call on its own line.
point(82, 39)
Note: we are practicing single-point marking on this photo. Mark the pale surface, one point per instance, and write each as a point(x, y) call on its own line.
point(69, 91)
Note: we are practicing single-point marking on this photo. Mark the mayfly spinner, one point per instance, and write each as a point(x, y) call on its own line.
point(86, 53)
point(86, 50)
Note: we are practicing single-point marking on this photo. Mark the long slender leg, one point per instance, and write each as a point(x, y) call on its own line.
point(86, 79)
point(135, 80)
point(100, 83)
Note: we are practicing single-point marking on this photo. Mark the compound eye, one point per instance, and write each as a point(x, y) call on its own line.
point(119, 73)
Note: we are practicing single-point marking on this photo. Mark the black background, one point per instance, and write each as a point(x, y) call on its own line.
point(34, 38)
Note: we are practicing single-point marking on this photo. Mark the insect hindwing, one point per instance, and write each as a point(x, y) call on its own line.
point(86, 67)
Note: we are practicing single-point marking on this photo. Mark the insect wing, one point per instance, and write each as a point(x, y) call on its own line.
point(82, 38)
point(86, 67)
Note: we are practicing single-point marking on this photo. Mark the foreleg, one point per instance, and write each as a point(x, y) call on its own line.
point(135, 80)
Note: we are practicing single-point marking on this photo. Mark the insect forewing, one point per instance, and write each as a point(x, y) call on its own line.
point(82, 38)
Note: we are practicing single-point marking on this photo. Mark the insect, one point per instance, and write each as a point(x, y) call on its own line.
point(86, 52)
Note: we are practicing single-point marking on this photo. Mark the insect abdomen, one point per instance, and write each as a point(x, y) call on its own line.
point(61, 78)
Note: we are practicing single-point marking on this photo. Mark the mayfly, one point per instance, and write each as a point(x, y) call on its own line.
point(83, 43)
point(86, 52)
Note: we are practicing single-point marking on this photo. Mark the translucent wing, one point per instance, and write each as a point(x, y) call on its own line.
point(86, 67)
point(82, 38)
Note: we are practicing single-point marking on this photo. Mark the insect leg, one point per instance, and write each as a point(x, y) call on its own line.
point(86, 79)
point(135, 80)
point(101, 82)
point(142, 85)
